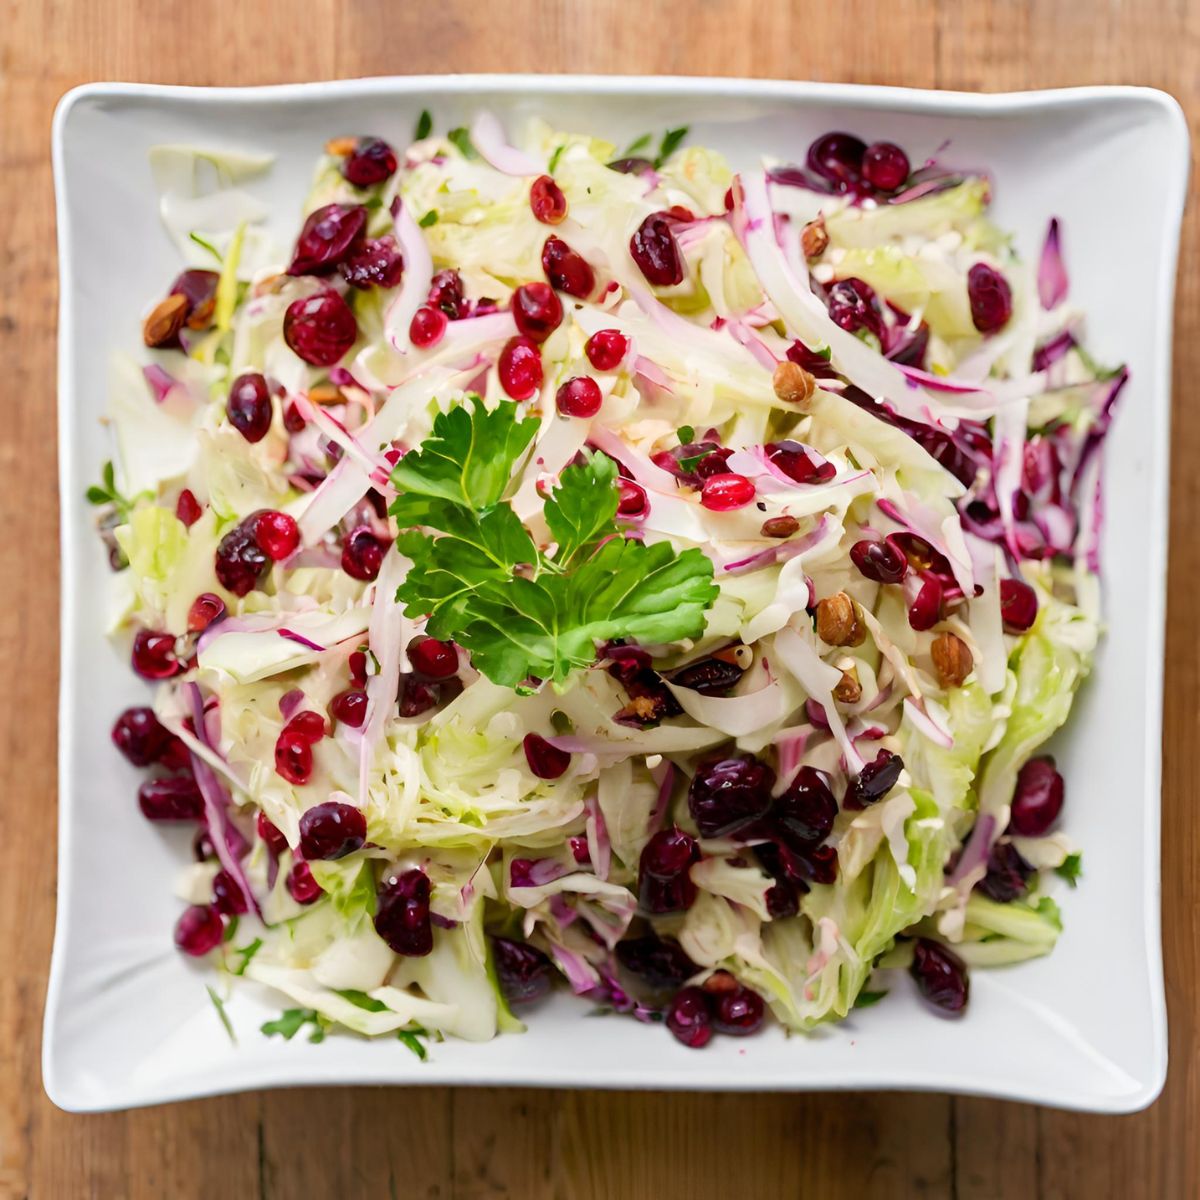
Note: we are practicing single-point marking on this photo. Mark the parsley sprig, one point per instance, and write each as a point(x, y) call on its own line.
point(525, 614)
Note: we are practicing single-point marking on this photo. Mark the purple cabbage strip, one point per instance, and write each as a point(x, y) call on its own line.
point(1045, 356)
point(293, 636)
point(1052, 272)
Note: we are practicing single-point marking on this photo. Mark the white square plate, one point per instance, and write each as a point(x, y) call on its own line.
point(127, 1019)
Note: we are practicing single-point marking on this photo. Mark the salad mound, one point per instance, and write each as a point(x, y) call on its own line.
point(597, 568)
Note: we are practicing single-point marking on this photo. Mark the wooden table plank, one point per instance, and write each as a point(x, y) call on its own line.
point(467, 1143)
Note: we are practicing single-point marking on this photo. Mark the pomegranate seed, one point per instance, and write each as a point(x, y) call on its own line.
point(371, 161)
point(433, 659)
point(446, 293)
point(537, 311)
point(1038, 798)
point(427, 327)
point(579, 397)
point(724, 492)
point(350, 707)
point(294, 759)
point(879, 561)
point(885, 166)
point(926, 607)
point(362, 554)
point(320, 328)
point(664, 884)
point(376, 263)
point(940, 974)
point(838, 157)
point(402, 914)
point(579, 850)
point(270, 834)
point(228, 899)
point(277, 534)
point(301, 884)
point(293, 422)
point(606, 348)
point(545, 761)
point(199, 289)
point(655, 251)
point(202, 846)
point(779, 527)
point(807, 810)
point(690, 1019)
point(139, 736)
point(327, 237)
point(176, 756)
point(417, 698)
point(658, 962)
point(520, 368)
point(547, 201)
point(800, 463)
point(199, 930)
point(154, 655)
point(567, 270)
point(332, 830)
point(632, 502)
point(523, 971)
point(240, 562)
point(249, 406)
point(175, 798)
point(308, 725)
point(1018, 605)
point(874, 781)
point(739, 1012)
point(990, 296)
point(853, 305)
point(357, 664)
point(729, 793)
point(187, 508)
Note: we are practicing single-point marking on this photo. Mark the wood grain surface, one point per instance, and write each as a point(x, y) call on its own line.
point(527, 1144)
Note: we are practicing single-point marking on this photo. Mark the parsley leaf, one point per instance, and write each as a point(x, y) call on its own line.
point(1070, 869)
point(430, 218)
point(686, 435)
point(245, 953)
point(867, 999)
point(424, 126)
point(106, 492)
point(638, 144)
point(462, 139)
point(484, 583)
point(1050, 911)
point(219, 1005)
point(669, 144)
point(291, 1021)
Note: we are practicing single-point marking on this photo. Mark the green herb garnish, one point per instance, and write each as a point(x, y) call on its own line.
point(669, 144)
point(424, 126)
point(1071, 869)
point(462, 139)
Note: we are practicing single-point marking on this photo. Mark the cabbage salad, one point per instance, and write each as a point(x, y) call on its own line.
point(589, 567)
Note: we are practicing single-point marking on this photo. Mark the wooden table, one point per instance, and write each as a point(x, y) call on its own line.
point(528, 1144)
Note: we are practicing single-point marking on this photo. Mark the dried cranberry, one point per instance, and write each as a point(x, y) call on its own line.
point(885, 166)
point(240, 562)
point(327, 237)
point(362, 554)
point(537, 311)
point(199, 930)
point(187, 508)
point(545, 761)
point(320, 328)
point(727, 491)
point(139, 736)
point(370, 162)
point(332, 830)
point(175, 798)
point(941, 976)
point(249, 406)
point(689, 1018)
point(807, 810)
point(427, 327)
point(990, 297)
point(1038, 798)
point(520, 368)
point(294, 758)
point(276, 533)
point(606, 348)
point(446, 293)
point(402, 914)
point(199, 289)
point(567, 270)
point(523, 971)
point(874, 781)
point(664, 884)
point(738, 1012)
point(853, 305)
point(376, 263)
point(633, 165)
point(202, 846)
point(1007, 874)
point(658, 962)
point(1018, 605)
point(926, 606)
point(580, 396)
point(302, 885)
point(879, 561)
point(817, 365)
point(782, 901)
point(272, 836)
point(547, 201)
point(654, 248)
point(708, 676)
point(350, 707)
point(729, 793)
point(432, 658)
point(838, 157)
point(820, 864)
point(799, 462)
point(227, 897)
point(153, 655)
